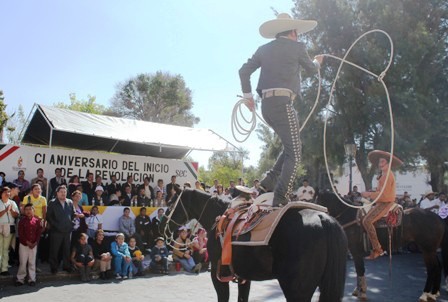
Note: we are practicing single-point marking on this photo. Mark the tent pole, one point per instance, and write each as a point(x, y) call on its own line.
point(51, 137)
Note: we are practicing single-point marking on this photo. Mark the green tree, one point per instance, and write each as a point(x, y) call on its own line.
point(160, 98)
point(359, 109)
point(15, 126)
point(88, 106)
point(3, 115)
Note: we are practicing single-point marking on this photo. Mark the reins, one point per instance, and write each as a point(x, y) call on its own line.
point(168, 233)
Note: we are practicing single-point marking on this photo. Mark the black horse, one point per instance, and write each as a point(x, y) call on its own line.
point(307, 250)
point(423, 227)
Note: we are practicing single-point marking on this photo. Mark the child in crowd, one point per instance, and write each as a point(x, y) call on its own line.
point(137, 257)
point(101, 253)
point(122, 258)
point(30, 230)
point(159, 257)
point(82, 257)
point(94, 222)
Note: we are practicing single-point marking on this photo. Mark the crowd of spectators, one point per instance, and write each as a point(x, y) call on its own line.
point(61, 230)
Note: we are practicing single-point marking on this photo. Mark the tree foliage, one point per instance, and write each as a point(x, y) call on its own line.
point(88, 106)
point(15, 126)
point(160, 98)
point(3, 115)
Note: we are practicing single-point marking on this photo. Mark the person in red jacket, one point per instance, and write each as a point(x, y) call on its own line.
point(30, 229)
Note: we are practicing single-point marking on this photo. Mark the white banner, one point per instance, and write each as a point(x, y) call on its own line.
point(76, 162)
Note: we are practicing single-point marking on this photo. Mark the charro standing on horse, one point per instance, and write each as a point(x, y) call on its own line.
point(385, 200)
point(280, 61)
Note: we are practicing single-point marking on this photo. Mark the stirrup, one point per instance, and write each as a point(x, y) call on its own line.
point(227, 278)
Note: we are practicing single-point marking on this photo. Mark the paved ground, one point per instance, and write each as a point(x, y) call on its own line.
point(405, 285)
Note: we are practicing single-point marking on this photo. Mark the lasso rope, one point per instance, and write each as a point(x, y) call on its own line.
point(245, 131)
point(380, 79)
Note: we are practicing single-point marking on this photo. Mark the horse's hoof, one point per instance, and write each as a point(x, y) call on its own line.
point(362, 296)
point(423, 297)
point(355, 292)
point(431, 297)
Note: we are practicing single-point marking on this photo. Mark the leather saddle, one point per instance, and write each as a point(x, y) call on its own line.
point(250, 224)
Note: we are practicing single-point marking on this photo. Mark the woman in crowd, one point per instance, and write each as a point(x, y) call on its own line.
point(101, 253)
point(79, 222)
point(73, 184)
point(183, 253)
point(200, 254)
point(82, 257)
point(8, 213)
point(126, 224)
point(121, 257)
point(84, 199)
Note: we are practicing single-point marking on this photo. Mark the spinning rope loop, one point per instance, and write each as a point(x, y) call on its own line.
point(237, 113)
point(380, 79)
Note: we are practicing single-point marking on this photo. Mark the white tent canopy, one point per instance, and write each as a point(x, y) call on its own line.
point(72, 129)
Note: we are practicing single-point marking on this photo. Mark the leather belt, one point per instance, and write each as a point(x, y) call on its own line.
point(272, 93)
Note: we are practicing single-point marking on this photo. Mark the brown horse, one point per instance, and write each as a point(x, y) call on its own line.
point(422, 227)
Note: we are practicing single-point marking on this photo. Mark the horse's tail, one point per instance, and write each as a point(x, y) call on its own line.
point(444, 247)
point(333, 281)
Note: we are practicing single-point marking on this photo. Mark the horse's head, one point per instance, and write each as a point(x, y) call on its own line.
point(190, 204)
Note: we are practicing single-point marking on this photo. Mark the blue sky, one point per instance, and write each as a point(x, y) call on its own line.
point(50, 49)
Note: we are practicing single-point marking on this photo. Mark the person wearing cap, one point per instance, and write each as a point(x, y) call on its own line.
point(384, 201)
point(430, 203)
point(159, 256)
point(280, 61)
point(60, 216)
point(99, 199)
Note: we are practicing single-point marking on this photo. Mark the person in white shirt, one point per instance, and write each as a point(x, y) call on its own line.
point(214, 188)
point(94, 222)
point(429, 203)
point(305, 192)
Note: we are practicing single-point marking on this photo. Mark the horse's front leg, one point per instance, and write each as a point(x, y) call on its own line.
point(243, 290)
point(221, 288)
point(356, 249)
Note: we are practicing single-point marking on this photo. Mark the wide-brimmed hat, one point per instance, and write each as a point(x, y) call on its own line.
point(375, 155)
point(429, 192)
point(284, 22)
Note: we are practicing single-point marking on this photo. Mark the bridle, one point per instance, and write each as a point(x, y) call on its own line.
point(167, 232)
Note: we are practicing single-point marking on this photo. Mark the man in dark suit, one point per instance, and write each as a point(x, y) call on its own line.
point(130, 183)
point(170, 186)
point(60, 214)
point(281, 61)
point(56, 181)
point(89, 187)
point(113, 186)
